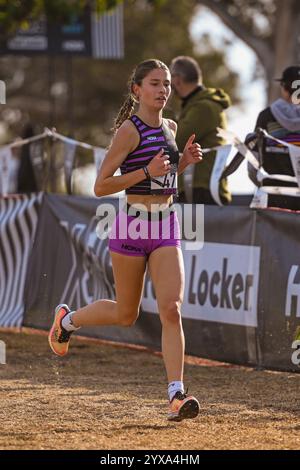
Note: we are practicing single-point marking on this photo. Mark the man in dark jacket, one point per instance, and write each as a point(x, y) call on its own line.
point(281, 120)
point(201, 113)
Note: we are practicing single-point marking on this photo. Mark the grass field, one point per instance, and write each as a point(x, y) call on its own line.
point(106, 397)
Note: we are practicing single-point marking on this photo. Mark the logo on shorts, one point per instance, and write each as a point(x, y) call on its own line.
point(130, 248)
point(151, 138)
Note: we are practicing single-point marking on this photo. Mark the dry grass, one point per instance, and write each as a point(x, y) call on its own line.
point(103, 397)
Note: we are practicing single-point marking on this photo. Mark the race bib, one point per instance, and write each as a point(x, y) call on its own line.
point(166, 184)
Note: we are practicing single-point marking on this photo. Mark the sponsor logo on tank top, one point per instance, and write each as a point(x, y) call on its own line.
point(152, 138)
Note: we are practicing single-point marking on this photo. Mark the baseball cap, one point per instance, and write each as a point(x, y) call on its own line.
point(290, 74)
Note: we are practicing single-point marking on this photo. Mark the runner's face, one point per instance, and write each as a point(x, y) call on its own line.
point(155, 89)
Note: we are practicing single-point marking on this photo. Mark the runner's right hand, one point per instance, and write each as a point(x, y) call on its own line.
point(159, 165)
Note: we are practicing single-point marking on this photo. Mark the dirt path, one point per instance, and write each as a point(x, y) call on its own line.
point(103, 397)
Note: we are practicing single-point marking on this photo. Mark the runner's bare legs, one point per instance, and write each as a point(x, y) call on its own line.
point(129, 275)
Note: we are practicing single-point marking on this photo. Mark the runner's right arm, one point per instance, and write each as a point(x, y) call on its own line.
point(124, 141)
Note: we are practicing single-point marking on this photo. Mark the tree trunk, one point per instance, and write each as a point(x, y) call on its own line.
point(285, 38)
point(286, 43)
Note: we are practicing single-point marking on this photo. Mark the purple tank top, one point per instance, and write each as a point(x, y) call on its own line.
point(152, 140)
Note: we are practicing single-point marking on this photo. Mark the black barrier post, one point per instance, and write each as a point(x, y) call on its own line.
point(69, 79)
point(52, 170)
point(51, 78)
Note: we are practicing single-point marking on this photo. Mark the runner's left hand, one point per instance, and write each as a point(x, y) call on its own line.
point(192, 152)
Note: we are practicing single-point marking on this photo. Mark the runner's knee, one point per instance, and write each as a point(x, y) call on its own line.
point(128, 316)
point(170, 312)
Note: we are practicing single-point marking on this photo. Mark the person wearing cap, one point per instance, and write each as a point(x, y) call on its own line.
point(281, 120)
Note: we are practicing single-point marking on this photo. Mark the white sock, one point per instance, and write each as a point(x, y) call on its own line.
point(67, 322)
point(174, 387)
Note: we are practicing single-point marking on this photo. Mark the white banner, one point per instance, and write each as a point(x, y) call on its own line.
point(69, 156)
point(242, 148)
point(218, 168)
point(188, 177)
point(221, 284)
point(295, 159)
point(260, 199)
point(281, 190)
point(99, 154)
point(220, 162)
point(5, 167)
point(294, 152)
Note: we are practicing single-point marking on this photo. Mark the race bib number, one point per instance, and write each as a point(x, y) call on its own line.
point(166, 184)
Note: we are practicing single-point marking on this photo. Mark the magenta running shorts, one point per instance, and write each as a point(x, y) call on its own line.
point(137, 233)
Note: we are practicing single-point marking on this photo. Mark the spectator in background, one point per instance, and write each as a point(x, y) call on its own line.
point(281, 120)
point(202, 112)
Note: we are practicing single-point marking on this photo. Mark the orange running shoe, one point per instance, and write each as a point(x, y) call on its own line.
point(182, 407)
point(58, 337)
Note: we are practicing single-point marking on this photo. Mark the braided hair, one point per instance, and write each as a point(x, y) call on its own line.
point(137, 76)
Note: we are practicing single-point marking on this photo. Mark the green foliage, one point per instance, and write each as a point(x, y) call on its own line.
point(99, 86)
point(147, 34)
point(17, 13)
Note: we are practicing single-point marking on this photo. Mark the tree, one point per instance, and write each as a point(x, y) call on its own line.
point(17, 13)
point(149, 32)
point(269, 27)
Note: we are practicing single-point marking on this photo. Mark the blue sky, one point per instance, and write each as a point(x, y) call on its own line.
point(241, 119)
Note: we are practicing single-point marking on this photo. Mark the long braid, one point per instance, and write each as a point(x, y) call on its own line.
point(125, 112)
point(127, 107)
